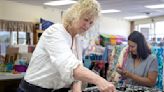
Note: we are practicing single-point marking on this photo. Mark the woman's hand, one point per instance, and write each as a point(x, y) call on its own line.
point(120, 70)
point(123, 72)
point(105, 86)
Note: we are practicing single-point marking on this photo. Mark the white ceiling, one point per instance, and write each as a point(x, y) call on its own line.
point(127, 7)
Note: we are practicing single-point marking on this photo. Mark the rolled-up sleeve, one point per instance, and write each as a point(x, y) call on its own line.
point(61, 55)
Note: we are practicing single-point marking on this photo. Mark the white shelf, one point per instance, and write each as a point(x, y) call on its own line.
point(6, 76)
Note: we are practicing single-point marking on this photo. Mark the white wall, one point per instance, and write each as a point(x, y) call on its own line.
point(149, 20)
point(0, 10)
point(24, 12)
point(114, 26)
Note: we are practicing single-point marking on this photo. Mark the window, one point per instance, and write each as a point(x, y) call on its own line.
point(19, 39)
point(18, 32)
point(4, 42)
point(146, 29)
point(159, 28)
point(154, 30)
point(4, 37)
point(14, 38)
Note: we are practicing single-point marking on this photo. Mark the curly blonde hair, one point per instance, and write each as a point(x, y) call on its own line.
point(90, 8)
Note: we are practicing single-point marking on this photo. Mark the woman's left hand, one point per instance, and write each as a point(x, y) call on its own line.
point(127, 74)
point(123, 72)
point(120, 70)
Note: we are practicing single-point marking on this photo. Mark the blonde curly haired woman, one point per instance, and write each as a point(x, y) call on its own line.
point(53, 65)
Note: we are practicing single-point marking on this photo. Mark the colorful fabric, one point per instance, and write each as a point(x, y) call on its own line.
point(158, 52)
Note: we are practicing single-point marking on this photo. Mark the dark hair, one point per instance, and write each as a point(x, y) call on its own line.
point(142, 47)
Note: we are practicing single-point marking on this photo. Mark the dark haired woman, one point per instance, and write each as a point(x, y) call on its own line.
point(141, 67)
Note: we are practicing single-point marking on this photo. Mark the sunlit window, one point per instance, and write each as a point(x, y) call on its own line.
point(146, 29)
point(4, 37)
point(153, 30)
point(15, 38)
point(21, 38)
point(159, 29)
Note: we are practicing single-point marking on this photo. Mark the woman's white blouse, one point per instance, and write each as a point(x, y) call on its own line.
point(53, 60)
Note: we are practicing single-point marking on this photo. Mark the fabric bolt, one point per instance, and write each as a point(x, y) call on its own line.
point(158, 52)
point(118, 55)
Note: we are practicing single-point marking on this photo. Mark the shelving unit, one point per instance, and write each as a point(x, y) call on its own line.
point(37, 34)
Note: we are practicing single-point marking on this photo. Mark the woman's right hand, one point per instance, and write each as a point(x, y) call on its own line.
point(119, 70)
point(123, 72)
point(105, 86)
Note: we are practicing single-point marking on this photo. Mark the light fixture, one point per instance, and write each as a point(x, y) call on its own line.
point(110, 11)
point(61, 2)
point(136, 17)
point(155, 6)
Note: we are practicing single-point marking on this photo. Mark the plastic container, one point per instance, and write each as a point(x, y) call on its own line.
point(20, 68)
